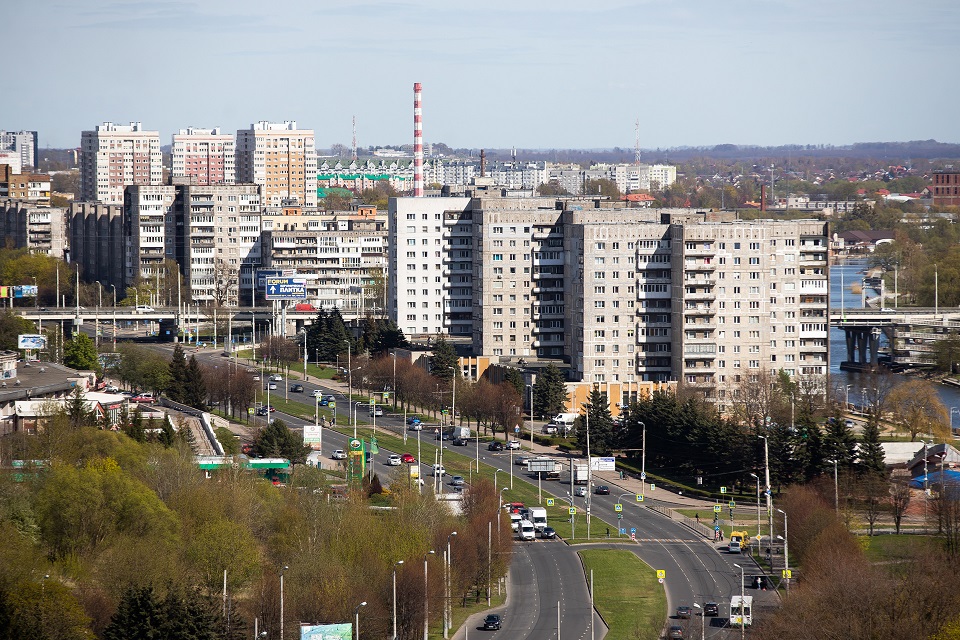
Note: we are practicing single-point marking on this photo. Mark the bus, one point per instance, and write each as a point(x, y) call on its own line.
point(741, 608)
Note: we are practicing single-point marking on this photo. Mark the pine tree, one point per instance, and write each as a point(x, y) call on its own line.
point(138, 617)
point(176, 389)
point(195, 390)
point(77, 411)
point(134, 428)
point(839, 441)
point(167, 435)
point(515, 378)
point(549, 392)
point(602, 437)
point(870, 459)
point(277, 440)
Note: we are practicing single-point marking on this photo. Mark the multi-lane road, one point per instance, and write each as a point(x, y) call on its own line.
point(544, 573)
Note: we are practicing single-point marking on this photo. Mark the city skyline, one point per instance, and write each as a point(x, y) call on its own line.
point(538, 75)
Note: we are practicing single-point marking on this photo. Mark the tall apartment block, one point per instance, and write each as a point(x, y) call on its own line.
point(25, 144)
point(622, 295)
point(97, 243)
point(203, 156)
point(40, 229)
point(151, 230)
point(114, 156)
point(339, 255)
point(218, 240)
point(281, 159)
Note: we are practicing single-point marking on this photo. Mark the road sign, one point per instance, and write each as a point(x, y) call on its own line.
point(633, 536)
point(572, 511)
point(787, 573)
point(633, 530)
point(652, 486)
point(723, 489)
point(716, 527)
point(732, 504)
point(661, 574)
point(643, 475)
point(623, 531)
point(716, 508)
point(516, 429)
point(660, 580)
point(332, 405)
point(373, 402)
point(639, 498)
point(550, 502)
point(285, 288)
point(618, 507)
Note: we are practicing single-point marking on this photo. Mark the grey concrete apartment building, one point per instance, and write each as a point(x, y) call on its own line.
point(620, 294)
point(40, 229)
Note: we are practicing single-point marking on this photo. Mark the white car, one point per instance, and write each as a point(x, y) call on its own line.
point(376, 411)
point(339, 454)
point(318, 393)
point(513, 444)
point(580, 492)
point(438, 470)
point(394, 460)
point(276, 378)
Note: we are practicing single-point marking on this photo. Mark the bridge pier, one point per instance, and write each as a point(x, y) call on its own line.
point(863, 347)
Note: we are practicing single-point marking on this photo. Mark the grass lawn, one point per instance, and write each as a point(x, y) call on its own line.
point(741, 522)
point(892, 548)
point(626, 593)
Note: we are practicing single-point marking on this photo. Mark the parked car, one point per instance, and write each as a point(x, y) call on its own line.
point(548, 532)
point(683, 611)
point(602, 490)
point(492, 622)
point(513, 444)
point(496, 445)
point(110, 389)
point(711, 609)
point(296, 388)
point(339, 454)
point(394, 460)
point(408, 458)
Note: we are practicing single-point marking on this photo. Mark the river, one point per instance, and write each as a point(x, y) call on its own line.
point(842, 274)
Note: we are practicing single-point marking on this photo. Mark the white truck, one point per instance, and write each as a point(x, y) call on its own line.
point(562, 422)
point(581, 474)
point(526, 531)
point(741, 611)
point(538, 515)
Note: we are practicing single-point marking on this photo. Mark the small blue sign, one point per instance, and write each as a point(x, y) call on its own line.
point(623, 531)
point(716, 528)
point(633, 529)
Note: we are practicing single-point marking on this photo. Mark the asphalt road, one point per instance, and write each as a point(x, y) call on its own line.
point(696, 570)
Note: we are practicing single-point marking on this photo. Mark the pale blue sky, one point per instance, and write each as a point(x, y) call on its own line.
point(525, 73)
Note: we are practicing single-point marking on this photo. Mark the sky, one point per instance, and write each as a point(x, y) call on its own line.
point(540, 74)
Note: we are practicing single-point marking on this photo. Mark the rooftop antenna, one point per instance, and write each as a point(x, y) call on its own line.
point(354, 137)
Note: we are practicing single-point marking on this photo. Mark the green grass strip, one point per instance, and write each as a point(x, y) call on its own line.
point(626, 593)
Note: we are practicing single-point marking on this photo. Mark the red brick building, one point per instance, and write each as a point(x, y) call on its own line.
point(946, 188)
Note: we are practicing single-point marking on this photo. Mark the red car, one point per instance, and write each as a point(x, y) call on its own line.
point(409, 459)
point(145, 398)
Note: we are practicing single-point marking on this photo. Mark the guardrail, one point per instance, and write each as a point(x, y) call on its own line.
point(686, 521)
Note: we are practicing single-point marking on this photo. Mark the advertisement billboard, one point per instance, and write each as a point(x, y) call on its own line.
point(31, 341)
point(326, 631)
point(311, 434)
point(286, 288)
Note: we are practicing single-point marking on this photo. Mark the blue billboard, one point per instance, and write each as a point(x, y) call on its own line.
point(326, 631)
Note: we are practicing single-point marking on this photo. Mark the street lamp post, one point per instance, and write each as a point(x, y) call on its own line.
point(703, 628)
point(285, 567)
point(395, 565)
point(499, 509)
point(847, 403)
point(743, 627)
point(446, 604)
point(786, 552)
point(643, 461)
point(757, 478)
point(836, 489)
point(353, 420)
point(766, 459)
point(426, 596)
point(356, 618)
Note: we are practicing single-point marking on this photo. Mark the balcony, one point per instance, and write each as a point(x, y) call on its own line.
point(700, 265)
point(699, 310)
point(700, 251)
point(699, 295)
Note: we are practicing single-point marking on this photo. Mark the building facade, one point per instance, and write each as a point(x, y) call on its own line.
point(946, 188)
point(203, 156)
point(33, 187)
point(113, 157)
point(98, 243)
point(26, 144)
point(281, 159)
point(150, 230)
point(40, 229)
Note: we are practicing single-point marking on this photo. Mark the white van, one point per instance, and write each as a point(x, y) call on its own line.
point(515, 521)
point(538, 515)
point(526, 531)
point(144, 308)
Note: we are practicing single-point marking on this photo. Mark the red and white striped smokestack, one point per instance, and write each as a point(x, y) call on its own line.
point(417, 143)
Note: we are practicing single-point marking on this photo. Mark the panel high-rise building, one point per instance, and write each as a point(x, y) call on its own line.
point(115, 156)
point(203, 156)
point(281, 159)
point(25, 143)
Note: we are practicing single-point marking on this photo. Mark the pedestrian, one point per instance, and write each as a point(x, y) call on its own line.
point(697, 516)
point(608, 532)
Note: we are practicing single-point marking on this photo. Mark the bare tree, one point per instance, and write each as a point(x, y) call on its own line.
point(919, 410)
point(226, 283)
point(899, 500)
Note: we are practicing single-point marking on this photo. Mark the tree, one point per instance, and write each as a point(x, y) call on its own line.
point(195, 390)
point(276, 440)
point(919, 409)
point(899, 500)
point(870, 458)
point(600, 422)
point(514, 378)
point(946, 353)
point(552, 188)
point(12, 325)
point(144, 615)
point(47, 610)
point(177, 387)
point(601, 187)
point(80, 353)
point(226, 282)
point(443, 362)
point(549, 392)
point(77, 411)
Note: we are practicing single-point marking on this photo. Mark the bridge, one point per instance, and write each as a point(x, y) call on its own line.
point(910, 331)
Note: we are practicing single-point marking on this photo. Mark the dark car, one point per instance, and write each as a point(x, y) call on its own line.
point(496, 445)
point(459, 442)
point(675, 632)
point(711, 609)
point(602, 490)
point(548, 532)
point(492, 622)
point(683, 611)
point(296, 388)
point(441, 436)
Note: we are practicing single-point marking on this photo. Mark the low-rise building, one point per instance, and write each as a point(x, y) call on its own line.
point(32, 187)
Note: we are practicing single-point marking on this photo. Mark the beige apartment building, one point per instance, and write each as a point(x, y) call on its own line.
point(281, 159)
point(40, 229)
point(152, 230)
point(114, 156)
